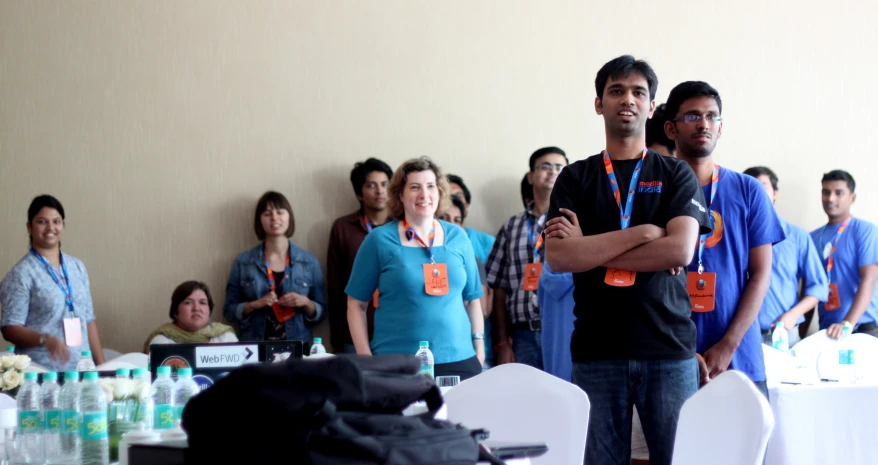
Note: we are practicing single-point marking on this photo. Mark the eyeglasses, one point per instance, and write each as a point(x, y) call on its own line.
point(548, 167)
point(697, 118)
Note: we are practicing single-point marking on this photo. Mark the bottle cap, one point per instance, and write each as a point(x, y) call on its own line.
point(318, 340)
point(125, 372)
point(86, 353)
point(50, 376)
point(71, 376)
point(424, 344)
point(163, 371)
point(90, 376)
point(30, 376)
point(138, 371)
point(184, 371)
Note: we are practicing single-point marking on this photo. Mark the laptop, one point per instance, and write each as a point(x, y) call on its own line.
point(210, 362)
point(514, 450)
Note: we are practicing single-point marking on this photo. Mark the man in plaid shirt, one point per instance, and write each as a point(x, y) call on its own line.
point(515, 264)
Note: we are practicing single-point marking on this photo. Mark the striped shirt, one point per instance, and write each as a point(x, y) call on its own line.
point(511, 252)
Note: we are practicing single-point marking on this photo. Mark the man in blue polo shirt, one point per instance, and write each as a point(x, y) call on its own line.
point(729, 275)
point(849, 249)
point(792, 260)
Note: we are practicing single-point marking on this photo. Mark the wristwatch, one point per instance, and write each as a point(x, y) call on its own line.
point(478, 336)
point(42, 340)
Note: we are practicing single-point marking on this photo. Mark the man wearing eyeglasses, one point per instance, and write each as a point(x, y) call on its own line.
point(515, 264)
point(639, 215)
point(730, 272)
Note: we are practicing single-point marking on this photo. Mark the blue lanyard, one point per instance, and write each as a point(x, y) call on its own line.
point(702, 239)
point(68, 293)
point(535, 246)
point(624, 214)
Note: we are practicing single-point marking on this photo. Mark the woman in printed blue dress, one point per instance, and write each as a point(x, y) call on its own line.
point(47, 311)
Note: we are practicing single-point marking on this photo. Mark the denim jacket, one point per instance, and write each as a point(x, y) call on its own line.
point(248, 281)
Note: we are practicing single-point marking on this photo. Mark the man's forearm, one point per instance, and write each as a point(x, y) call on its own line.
point(583, 253)
point(659, 255)
point(748, 306)
point(807, 303)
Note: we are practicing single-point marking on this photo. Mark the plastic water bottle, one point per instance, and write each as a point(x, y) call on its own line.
point(69, 401)
point(184, 389)
point(10, 350)
point(145, 407)
point(85, 363)
point(95, 448)
point(426, 359)
point(30, 426)
point(847, 367)
point(317, 346)
point(780, 338)
point(50, 407)
point(122, 410)
point(163, 399)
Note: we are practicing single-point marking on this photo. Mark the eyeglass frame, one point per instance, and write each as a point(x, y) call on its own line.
point(696, 118)
point(546, 166)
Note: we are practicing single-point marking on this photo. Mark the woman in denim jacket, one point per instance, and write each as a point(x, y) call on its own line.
point(275, 290)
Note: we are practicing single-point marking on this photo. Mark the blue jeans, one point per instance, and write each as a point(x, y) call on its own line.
point(657, 387)
point(528, 347)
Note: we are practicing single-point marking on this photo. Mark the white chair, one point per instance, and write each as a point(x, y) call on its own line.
point(727, 422)
point(519, 403)
point(110, 354)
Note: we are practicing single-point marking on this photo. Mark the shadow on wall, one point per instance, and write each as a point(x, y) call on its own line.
point(505, 192)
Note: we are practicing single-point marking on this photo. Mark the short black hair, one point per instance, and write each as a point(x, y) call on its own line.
point(622, 67)
point(362, 169)
point(836, 175)
point(460, 206)
point(185, 290)
point(278, 201)
point(546, 151)
point(527, 191)
point(455, 179)
point(690, 89)
point(757, 171)
point(655, 129)
point(40, 202)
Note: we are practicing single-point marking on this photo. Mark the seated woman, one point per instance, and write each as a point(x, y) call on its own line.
point(426, 274)
point(47, 308)
point(191, 306)
point(275, 290)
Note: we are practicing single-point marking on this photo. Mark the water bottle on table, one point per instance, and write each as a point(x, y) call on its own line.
point(69, 404)
point(184, 389)
point(85, 363)
point(146, 407)
point(847, 368)
point(780, 338)
point(426, 358)
point(29, 443)
point(317, 346)
point(50, 394)
point(163, 399)
point(95, 448)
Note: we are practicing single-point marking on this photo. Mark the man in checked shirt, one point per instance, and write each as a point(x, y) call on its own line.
point(515, 264)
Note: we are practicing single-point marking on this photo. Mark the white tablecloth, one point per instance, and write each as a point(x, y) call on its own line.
point(824, 424)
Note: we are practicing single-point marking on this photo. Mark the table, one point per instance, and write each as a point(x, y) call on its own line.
point(824, 423)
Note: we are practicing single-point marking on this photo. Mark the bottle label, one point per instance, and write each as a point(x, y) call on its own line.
point(846, 357)
point(53, 420)
point(29, 421)
point(70, 420)
point(94, 426)
point(141, 412)
point(164, 416)
point(427, 370)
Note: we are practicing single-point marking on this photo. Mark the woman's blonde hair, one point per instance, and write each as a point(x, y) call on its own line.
point(400, 177)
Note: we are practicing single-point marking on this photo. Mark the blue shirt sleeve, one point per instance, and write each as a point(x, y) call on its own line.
point(867, 244)
point(473, 288)
point(763, 226)
point(364, 274)
point(15, 298)
point(88, 309)
point(811, 269)
point(233, 308)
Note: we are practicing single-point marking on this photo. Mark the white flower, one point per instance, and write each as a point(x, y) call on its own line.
point(7, 362)
point(11, 380)
point(142, 390)
point(123, 389)
point(21, 362)
point(108, 387)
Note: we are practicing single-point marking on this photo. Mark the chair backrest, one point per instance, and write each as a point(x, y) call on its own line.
point(519, 403)
point(727, 422)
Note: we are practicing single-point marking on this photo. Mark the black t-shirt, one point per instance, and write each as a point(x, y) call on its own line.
point(651, 319)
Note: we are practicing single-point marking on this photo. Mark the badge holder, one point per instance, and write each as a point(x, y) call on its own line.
point(702, 290)
point(833, 303)
point(532, 272)
point(619, 278)
point(72, 332)
point(435, 279)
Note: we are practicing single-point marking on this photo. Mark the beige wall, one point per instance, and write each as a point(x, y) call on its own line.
point(159, 123)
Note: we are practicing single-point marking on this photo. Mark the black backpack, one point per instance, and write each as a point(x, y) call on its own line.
point(336, 410)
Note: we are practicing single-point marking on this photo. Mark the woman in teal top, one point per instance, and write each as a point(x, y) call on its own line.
point(426, 276)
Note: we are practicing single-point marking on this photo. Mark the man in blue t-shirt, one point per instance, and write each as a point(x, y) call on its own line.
point(792, 260)
point(729, 275)
point(849, 249)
